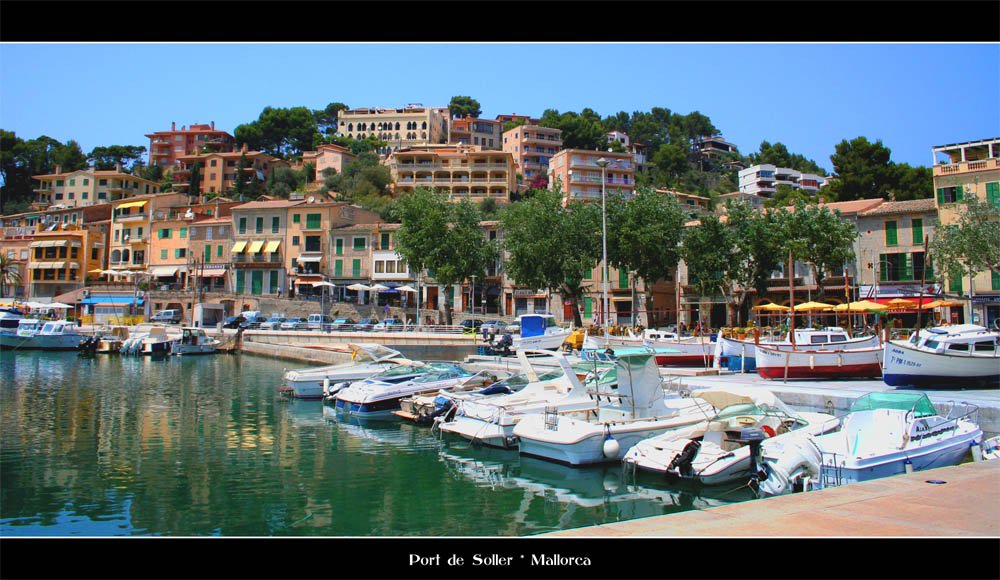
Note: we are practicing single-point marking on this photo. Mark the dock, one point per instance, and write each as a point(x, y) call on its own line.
point(909, 505)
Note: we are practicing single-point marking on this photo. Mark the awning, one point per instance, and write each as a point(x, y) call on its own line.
point(110, 299)
point(303, 259)
point(272, 247)
point(131, 204)
point(308, 280)
point(74, 266)
point(255, 247)
point(238, 247)
point(216, 273)
point(48, 244)
point(48, 265)
point(163, 271)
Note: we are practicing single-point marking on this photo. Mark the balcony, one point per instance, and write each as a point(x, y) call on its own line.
point(259, 259)
point(23, 233)
point(131, 217)
point(965, 167)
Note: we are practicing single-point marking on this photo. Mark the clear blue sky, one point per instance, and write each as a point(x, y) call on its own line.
point(807, 96)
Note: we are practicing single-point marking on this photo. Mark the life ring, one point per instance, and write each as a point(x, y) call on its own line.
point(767, 429)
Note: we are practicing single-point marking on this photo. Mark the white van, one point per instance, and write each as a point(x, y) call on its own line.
point(319, 322)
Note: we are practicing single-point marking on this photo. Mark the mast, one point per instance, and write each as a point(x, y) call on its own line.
point(923, 281)
point(791, 298)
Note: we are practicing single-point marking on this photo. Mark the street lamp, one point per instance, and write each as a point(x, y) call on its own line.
point(603, 163)
point(472, 298)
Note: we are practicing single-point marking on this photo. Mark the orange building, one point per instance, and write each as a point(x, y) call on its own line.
point(166, 147)
point(472, 131)
point(579, 174)
point(218, 170)
point(460, 171)
point(533, 148)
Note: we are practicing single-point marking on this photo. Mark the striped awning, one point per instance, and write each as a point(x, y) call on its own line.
point(47, 244)
point(238, 247)
point(272, 247)
point(255, 247)
point(131, 204)
point(304, 259)
point(48, 265)
point(214, 273)
point(164, 271)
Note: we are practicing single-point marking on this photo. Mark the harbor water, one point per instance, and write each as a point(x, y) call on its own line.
point(199, 446)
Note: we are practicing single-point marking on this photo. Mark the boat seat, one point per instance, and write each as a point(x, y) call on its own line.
point(715, 433)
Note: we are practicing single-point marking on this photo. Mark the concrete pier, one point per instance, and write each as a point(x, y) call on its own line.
point(898, 506)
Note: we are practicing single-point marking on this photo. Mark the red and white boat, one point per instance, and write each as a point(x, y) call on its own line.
point(683, 351)
point(776, 363)
point(809, 339)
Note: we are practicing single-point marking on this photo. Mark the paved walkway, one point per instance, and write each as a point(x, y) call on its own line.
point(968, 505)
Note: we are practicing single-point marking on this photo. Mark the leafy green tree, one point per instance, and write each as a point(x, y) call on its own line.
point(489, 208)
point(326, 118)
point(864, 171)
point(672, 163)
point(708, 249)
point(364, 181)
point(778, 155)
point(107, 157)
point(551, 246)
point(971, 244)
point(194, 182)
point(21, 159)
point(281, 182)
point(787, 196)
point(10, 275)
point(760, 249)
point(912, 182)
point(444, 237)
point(464, 106)
point(819, 237)
point(579, 130)
point(647, 220)
point(280, 132)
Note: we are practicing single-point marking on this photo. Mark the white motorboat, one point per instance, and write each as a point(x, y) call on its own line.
point(883, 434)
point(672, 350)
point(491, 420)
point(423, 409)
point(379, 395)
point(775, 363)
point(722, 448)
point(155, 342)
point(539, 332)
point(638, 410)
point(806, 339)
point(44, 335)
point(964, 355)
point(367, 359)
point(9, 319)
point(194, 341)
point(21, 333)
point(991, 448)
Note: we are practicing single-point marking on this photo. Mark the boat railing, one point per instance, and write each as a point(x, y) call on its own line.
point(968, 412)
point(831, 468)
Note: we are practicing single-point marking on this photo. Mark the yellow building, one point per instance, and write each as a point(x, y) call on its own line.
point(131, 229)
point(460, 171)
point(87, 187)
point(410, 126)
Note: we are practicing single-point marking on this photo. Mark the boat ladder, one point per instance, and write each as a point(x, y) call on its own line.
point(830, 472)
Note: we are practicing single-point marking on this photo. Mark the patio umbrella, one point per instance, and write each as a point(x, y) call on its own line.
point(812, 307)
point(406, 288)
point(379, 287)
point(320, 284)
point(860, 306)
point(358, 287)
point(900, 303)
point(942, 304)
point(59, 305)
point(771, 307)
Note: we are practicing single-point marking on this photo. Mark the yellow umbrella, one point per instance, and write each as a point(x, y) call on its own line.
point(941, 304)
point(771, 307)
point(812, 306)
point(859, 306)
point(899, 303)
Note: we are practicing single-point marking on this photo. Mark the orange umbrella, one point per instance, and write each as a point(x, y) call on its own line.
point(941, 304)
point(771, 307)
point(901, 303)
point(860, 306)
point(812, 306)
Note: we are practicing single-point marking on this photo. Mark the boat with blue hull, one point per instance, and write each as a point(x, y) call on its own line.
point(965, 355)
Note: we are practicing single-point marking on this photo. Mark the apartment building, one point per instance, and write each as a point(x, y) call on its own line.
point(533, 148)
point(752, 199)
point(486, 133)
point(764, 180)
point(86, 187)
point(257, 253)
point(891, 250)
point(460, 171)
point(410, 126)
point(131, 229)
point(15, 238)
point(166, 147)
point(579, 173)
point(328, 157)
point(59, 259)
point(218, 171)
point(209, 242)
point(690, 204)
point(962, 170)
point(315, 240)
point(714, 147)
point(515, 118)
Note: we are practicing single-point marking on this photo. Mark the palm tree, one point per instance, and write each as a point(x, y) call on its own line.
point(9, 274)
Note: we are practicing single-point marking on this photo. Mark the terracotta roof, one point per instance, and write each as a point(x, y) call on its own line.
point(212, 221)
point(848, 207)
point(897, 207)
point(268, 204)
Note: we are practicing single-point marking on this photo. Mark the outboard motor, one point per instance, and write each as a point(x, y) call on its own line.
point(682, 461)
point(505, 343)
point(753, 437)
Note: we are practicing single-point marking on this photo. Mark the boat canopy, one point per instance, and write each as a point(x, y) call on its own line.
point(532, 326)
point(720, 398)
point(917, 402)
point(373, 351)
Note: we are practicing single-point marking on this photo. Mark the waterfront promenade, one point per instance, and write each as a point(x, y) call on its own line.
point(965, 505)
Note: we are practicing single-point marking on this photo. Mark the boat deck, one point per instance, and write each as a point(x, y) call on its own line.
point(899, 506)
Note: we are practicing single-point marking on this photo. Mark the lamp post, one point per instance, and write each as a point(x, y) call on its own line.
point(472, 297)
point(603, 163)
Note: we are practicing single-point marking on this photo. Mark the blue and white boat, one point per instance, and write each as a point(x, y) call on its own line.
point(379, 396)
point(883, 434)
point(964, 355)
point(367, 359)
point(539, 332)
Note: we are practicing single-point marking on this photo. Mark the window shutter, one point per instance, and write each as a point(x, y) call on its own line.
point(993, 193)
point(918, 231)
point(940, 196)
point(890, 234)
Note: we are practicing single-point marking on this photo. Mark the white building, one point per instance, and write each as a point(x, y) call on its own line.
point(764, 180)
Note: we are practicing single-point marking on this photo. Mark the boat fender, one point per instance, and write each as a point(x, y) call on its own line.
point(611, 447)
point(977, 451)
point(768, 430)
point(682, 461)
point(326, 386)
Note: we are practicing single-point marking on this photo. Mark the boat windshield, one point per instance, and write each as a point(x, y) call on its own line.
point(918, 402)
point(49, 327)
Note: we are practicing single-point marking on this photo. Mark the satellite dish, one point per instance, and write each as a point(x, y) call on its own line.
point(312, 199)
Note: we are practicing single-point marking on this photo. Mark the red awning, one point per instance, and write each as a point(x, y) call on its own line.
point(308, 279)
point(917, 301)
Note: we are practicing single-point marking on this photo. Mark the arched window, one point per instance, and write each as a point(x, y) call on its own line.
point(423, 135)
point(397, 125)
point(125, 255)
point(116, 255)
point(350, 127)
point(423, 125)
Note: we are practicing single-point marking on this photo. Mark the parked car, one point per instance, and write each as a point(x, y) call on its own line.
point(166, 316)
point(343, 324)
point(366, 324)
point(389, 325)
point(253, 322)
point(273, 323)
point(493, 326)
point(295, 323)
point(319, 321)
point(473, 323)
point(512, 328)
point(234, 322)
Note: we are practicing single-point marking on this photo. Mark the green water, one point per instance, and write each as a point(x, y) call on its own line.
point(193, 446)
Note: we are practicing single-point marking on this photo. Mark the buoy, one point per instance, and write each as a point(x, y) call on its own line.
point(326, 386)
point(908, 466)
point(611, 447)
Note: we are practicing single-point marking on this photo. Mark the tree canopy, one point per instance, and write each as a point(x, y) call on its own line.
point(20, 160)
point(971, 244)
point(864, 171)
point(105, 158)
point(820, 237)
point(464, 106)
point(280, 132)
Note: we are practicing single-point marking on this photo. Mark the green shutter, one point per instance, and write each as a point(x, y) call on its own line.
point(588, 307)
point(356, 268)
point(883, 268)
point(163, 254)
point(338, 268)
point(296, 218)
point(257, 282)
point(259, 228)
point(208, 254)
point(907, 269)
point(184, 232)
point(340, 246)
point(955, 284)
point(918, 231)
point(359, 243)
point(994, 280)
point(959, 192)
point(623, 279)
point(993, 193)
point(218, 251)
point(275, 224)
point(929, 269)
point(274, 281)
point(240, 282)
point(243, 225)
point(890, 234)
point(313, 221)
